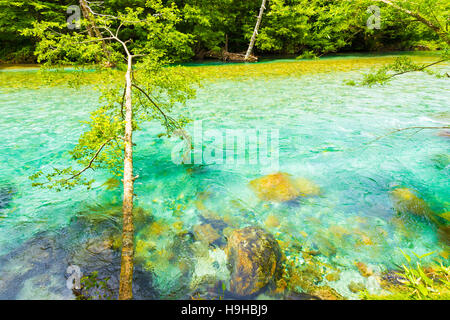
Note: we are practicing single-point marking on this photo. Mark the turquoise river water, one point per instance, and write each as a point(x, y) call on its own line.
point(323, 126)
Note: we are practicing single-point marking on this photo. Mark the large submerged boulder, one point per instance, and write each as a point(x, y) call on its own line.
point(280, 187)
point(254, 259)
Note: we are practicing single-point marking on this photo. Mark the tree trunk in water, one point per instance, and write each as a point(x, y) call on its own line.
point(93, 30)
point(255, 32)
point(126, 268)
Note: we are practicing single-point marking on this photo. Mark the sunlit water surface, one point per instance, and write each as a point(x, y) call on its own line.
point(323, 126)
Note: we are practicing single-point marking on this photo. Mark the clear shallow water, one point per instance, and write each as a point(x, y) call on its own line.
point(323, 126)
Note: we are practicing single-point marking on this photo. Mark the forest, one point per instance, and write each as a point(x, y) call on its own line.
point(294, 28)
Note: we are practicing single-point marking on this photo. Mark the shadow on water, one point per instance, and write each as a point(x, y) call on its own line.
point(6, 195)
point(38, 268)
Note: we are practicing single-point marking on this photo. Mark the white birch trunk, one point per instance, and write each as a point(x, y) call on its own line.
point(126, 269)
point(255, 32)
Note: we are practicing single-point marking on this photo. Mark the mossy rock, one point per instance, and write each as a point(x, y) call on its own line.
point(326, 293)
point(406, 201)
point(282, 187)
point(111, 214)
point(363, 269)
point(334, 276)
point(254, 259)
point(356, 287)
point(206, 233)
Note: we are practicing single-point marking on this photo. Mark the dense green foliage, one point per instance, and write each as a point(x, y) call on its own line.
point(157, 88)
point(289, 26)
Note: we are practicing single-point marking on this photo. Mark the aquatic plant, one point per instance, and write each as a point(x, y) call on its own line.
point(417, 282)
point(400, 66)
point(93, 288)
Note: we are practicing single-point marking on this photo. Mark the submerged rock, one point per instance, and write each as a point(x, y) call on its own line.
point(405, 200)
point(306, 187)
point(441, 161)
point(272, 221)
point(391, 278)
point(446, 216)
point(335, 276)
point(206, 233)
point(281, 187)
point(363, 269)
point(444, 234)
point(326, 293)
point(275, 187)
point(356, 287)
point(254, 259)
point(38, 268)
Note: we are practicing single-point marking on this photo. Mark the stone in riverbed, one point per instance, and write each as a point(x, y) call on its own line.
point(335, 276)
point(306, 187)
point(444, 234)
point(363, 269)
point(405, 200)
point(254, 258)
point(275, 187)
point(356, 287)
point(281, 187)
point(272, 221)
point(326, 293)
point(206, 233)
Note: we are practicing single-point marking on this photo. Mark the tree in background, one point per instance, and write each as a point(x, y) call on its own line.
point(317, 26)
point(17, 15)
point(307, 27)
point(149, 91)
point(255, 32)
point(433, 15)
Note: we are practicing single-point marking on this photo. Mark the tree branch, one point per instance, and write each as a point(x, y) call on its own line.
point(418, 69)
point(91, 162)
point(167, 118)
point(404, 129)
point(419, 17)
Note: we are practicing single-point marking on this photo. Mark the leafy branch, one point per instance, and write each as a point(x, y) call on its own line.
point(400, 66)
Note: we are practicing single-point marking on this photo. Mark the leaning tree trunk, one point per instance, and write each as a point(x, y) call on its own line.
point(93, 30)
point(126, 268)
point(255, 32)
point(443, 34)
